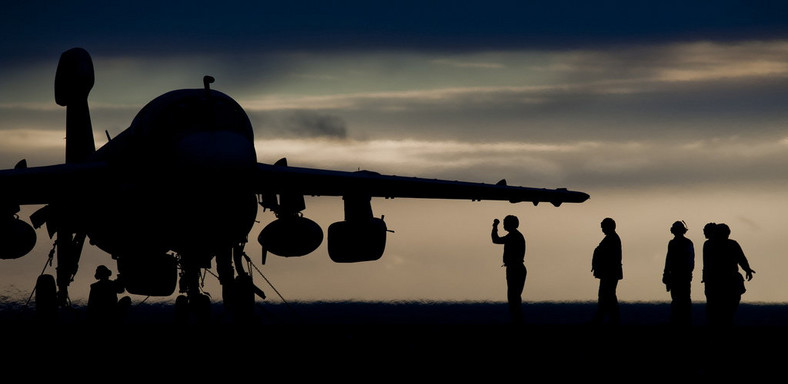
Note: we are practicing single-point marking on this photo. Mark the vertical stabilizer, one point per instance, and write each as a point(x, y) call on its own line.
point(73, 82)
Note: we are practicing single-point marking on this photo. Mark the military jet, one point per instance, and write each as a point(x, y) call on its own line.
point(181, 187)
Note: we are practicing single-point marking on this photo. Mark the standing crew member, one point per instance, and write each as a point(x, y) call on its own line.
point(514, 261)
point(722, 258)
point(607, 267)
point(677, 275)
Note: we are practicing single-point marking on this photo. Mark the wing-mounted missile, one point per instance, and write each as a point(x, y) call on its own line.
point(291, 234)
point(361, 237)
point(557, 203)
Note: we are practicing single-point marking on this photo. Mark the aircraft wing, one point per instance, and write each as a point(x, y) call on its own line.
point(42, 185)
point(319, 182)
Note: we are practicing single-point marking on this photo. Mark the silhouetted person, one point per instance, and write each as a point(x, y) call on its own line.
point(514, 261)
point(103, 306)
point(606, 265)
point(677, 276)
point(724, 285)
point(709, 246)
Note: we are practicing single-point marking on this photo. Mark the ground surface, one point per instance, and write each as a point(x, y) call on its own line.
point(404, 341)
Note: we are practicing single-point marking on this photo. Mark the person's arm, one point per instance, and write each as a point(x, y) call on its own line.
point(596, 259)
point(666, 270)
point(705, 262)
point(495, 238)
point(742, 260)
point(692, 257)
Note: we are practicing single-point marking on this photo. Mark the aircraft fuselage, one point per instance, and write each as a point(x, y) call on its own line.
point(176, 178)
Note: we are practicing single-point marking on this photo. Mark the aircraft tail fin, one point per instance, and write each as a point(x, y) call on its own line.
point(73, 81)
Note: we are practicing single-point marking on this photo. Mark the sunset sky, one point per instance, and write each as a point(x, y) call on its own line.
point(661, 111)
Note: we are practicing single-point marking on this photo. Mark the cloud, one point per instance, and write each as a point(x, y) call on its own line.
point(582, 165)
point(688, 90)
point(300, 123)
point(699, 60)
point(663, 114)
point(685, 91)
point(150, 28)
point(38, 147)
point(467, 64)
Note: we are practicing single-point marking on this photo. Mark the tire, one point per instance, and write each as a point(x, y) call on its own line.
point(46, 298)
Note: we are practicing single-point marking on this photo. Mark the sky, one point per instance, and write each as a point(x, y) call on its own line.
point(661, 111)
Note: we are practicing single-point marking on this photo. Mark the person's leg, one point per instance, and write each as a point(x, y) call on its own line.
point(615, 314)
point(515, 281)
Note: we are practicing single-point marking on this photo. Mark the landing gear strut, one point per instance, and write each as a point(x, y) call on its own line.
point(192, 303)
point(238, 289)
point(69, 248)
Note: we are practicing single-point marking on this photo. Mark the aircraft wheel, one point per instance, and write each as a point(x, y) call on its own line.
point(46, 298)
point(181, 309)
point(201, 307)
point(243, 299)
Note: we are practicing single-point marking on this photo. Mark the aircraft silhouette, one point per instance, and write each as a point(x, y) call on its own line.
point(181, 187)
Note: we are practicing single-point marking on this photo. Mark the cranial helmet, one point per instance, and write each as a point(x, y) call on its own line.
point(102, 272)
point(678, 227)
point(511, 221)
